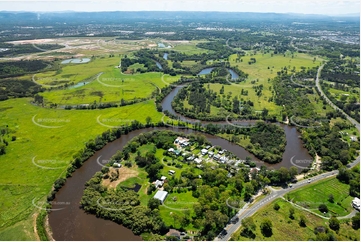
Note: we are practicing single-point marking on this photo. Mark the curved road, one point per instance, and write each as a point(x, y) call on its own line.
point(247, 212)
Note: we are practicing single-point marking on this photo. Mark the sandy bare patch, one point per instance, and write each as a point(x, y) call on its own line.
point(124, 174)
point(32, 41)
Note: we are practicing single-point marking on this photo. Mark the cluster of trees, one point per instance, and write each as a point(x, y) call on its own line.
point(351, 177)
point(350, 106)
point(268, 142)
point(17, 89)
point(16, 68)
point(327, 143)
point(121, 206)
point(5, 138)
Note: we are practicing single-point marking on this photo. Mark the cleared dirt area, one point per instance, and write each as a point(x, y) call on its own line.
point(124, 174)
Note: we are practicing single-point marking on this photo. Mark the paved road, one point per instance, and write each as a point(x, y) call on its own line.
point(329, 101)
point(249, 211)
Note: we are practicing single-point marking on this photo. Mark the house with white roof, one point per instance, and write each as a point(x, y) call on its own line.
point(161, 196)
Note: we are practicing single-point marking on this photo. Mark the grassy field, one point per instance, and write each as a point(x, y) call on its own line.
point(315, 194)
point(21, 180)
point(266, 67)
point(288, 229)
point(187, 47)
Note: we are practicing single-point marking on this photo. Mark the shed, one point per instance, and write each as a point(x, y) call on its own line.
point(161, 196)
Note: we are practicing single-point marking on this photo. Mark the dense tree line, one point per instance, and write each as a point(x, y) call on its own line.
point(16, 68)
point(15, 89)
point(13, 50)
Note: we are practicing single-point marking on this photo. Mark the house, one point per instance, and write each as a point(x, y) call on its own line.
point(117, 165)
point(177, 152)
point(190, 158)
point(161, 196)
point(216, 157)
point(221, 152)
point(204, 151)
point(158, 183)
point(210, 154)
point(223, 159)
point(171, 172)
point(163, 178)
point(208, 146)
point(353, 138)
point(197, 160)
point(356, 203)
point(171, 150)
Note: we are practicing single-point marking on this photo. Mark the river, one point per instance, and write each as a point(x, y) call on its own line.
point(72, 223)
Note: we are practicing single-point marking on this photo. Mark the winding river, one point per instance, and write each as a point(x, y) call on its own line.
point(70, 222)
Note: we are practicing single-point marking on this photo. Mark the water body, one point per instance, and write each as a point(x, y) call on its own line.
point(72, 223)
point(80, 84)
point(205, 71)
point(294, 147)
point(75, 61)
point(165, 56)
point(159, 65)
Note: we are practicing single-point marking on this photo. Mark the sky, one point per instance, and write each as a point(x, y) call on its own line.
point(326, 7)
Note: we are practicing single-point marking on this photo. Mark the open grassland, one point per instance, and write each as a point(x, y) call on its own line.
point(111, 86)
point(285, 228)
point(266, 67)
point(313, 195)
point(187, 47)
point(22, 182)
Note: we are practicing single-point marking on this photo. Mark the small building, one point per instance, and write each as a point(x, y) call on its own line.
point(171, 172)
point(223, 159)
point(216, 157)
point(161, 196)
point(221, 152)
point(208, 146)
point(204, 151)
point(177, 152)
point(353, 138)
point(163, 178)
point(210, 154)
point(171, 150)
point(190, 158)
point(158, 183)
point(117, 165)
point(197, 160)
point(356, 203)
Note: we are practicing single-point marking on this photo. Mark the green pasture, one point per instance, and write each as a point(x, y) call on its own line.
point(315, 194)
point(286, 229)
point(22, 182)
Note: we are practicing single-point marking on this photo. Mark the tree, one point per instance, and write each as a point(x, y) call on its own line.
point(356, 221)
point(302, 222)
point(276, 207)
point(323, 208)
point(153, 203)
point(331, 198)
point(334, 223)
point(266, 228)
point(248, 227)
point(292, 213)
point(148, 120)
